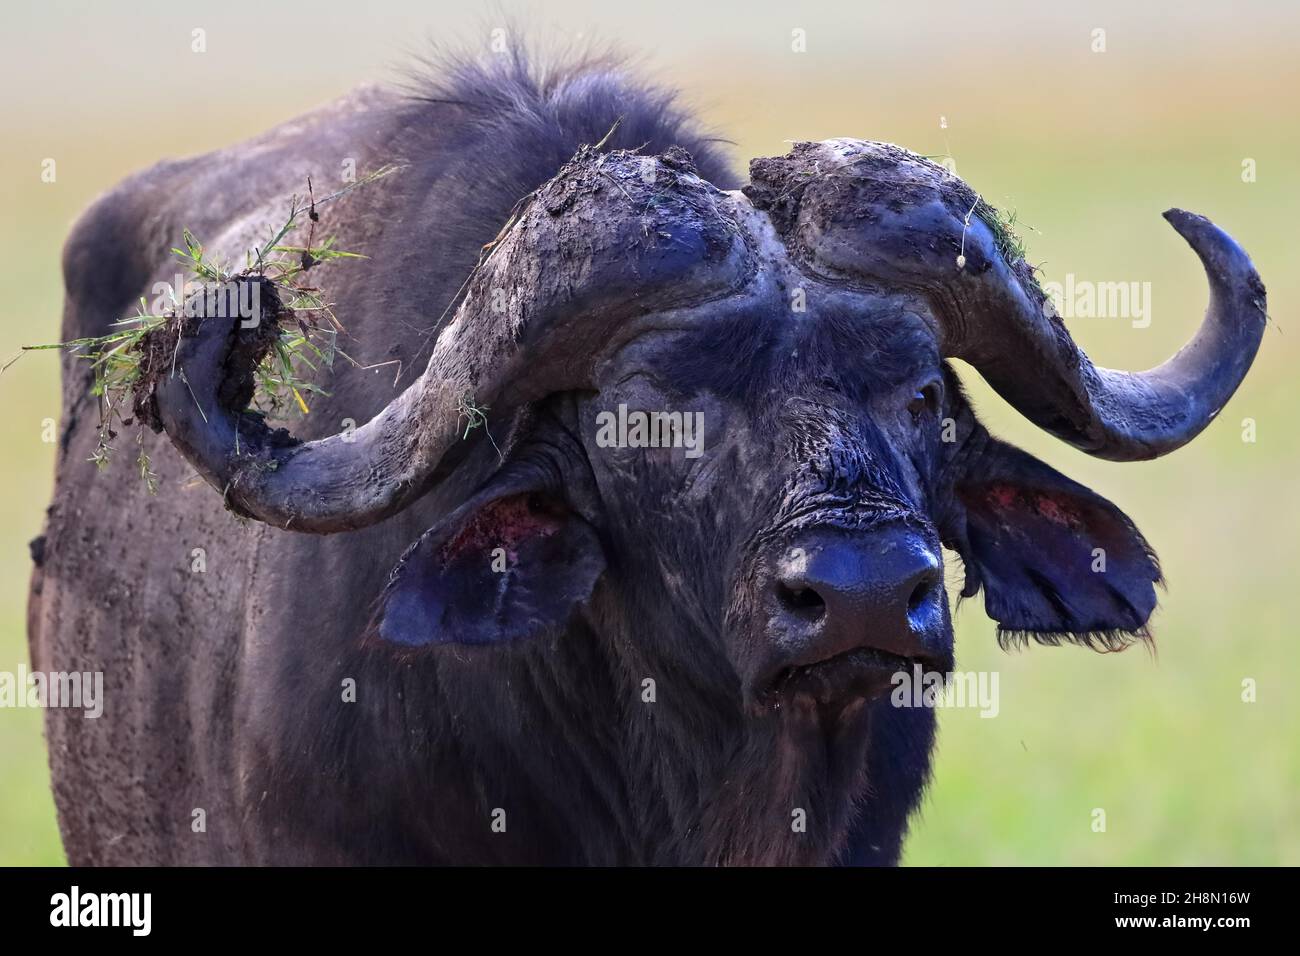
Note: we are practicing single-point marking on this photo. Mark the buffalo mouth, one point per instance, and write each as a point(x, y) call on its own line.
point(861, 673)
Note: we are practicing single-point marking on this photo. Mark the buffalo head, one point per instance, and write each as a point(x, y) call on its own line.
point(780, 555)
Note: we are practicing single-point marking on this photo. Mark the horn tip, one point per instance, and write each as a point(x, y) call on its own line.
point(1174, 213)
point(1185, 221)
point(1218, 250)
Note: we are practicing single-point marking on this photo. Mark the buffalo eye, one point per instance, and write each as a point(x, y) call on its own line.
point(924, 401)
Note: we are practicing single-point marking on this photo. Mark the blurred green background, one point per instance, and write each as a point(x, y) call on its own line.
point(1087, 147)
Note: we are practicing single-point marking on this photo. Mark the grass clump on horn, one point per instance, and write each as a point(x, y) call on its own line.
point(296, 331)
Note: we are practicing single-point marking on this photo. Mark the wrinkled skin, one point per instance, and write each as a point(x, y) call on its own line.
point(649, 680)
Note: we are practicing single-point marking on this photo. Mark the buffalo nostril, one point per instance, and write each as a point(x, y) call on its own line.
point(919, 594)
point(802, 601)
point(922, 601)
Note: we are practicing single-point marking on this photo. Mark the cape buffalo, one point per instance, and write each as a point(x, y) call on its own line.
point(540, 640)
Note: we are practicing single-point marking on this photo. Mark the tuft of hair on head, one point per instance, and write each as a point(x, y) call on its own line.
point(549, 99)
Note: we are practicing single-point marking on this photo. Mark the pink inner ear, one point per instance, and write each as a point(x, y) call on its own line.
point(1057, 509)
point(1001, 497)
point(503, 523)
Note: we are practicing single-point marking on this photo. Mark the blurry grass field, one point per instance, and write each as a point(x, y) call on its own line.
point(1088, 151)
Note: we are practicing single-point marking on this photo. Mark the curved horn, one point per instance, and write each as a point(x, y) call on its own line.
point(873, 211)
point(610, 237)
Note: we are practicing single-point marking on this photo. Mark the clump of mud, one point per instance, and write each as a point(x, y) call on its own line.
point(158, 347)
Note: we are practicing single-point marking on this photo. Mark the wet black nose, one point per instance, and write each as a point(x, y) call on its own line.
point(835, 591)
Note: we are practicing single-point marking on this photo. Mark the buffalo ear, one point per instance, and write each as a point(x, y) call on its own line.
point(503, 567)
point(1057, 561)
